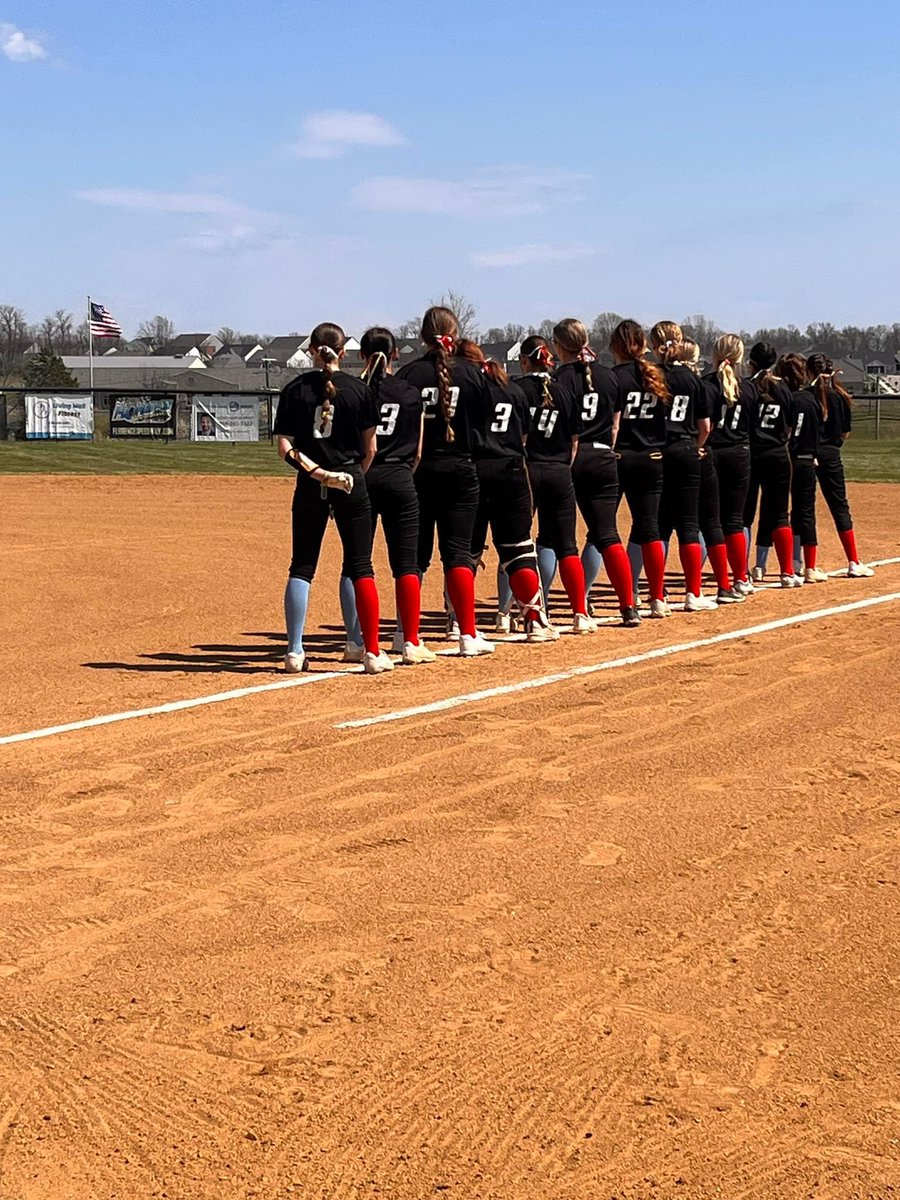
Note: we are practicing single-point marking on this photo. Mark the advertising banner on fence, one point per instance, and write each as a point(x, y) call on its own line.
point(66, 418)
point(148, 415)
point(224, 419)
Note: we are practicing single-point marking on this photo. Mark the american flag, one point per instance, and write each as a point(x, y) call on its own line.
point(103, 323)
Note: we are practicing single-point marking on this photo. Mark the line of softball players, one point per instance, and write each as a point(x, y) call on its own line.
point(451, 446)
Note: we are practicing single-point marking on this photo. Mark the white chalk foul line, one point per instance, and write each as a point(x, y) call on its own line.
point(613, 663)
point(174, 706)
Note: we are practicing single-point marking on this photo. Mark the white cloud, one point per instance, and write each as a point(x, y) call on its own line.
point(538, 252)
point(17, 47)
point(329, 134)
point(502, 192)
point(143, 200)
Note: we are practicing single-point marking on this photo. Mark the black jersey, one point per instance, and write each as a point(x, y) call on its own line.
point(773, 417)
point(504, 422)
point(730, 422)
point(642, 425)
point(690, 403)
point(399, 408)
point(807, 420)
point(598, 406)
point(839, 420)
point(468, 398)
point(336, 442)
point(554, 427)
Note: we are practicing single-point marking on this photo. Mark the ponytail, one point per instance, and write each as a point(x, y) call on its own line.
point(536, 349)
point(440, 330)
point(667, 340)
point(763, 357)
point(378, 347)
point(328, 341)
point(629, 343)
point(471, 352)
point(572, 335)
point(728, 353)
point(823, 375)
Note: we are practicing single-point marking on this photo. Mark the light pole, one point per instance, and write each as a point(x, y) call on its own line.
point(266, 363)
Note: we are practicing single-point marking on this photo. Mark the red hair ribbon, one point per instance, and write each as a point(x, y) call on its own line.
point(446, 342)
point(543, 356)
point(586, 354)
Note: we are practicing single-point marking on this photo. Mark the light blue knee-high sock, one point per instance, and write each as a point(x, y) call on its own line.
point(636, 558)
point(747, 535)
point(348, 611)
point(798, 555)
point(703, 551)
point(762, 555)
point(546, 569)
point(451, 615)
point(591, 562)
point(296, 601)
point(504, 591)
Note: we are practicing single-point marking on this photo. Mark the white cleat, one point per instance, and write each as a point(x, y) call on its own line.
point(503, 623)
point(539, 629)
point(470, 646)
point(814, 575)
point(453, 633)
point(730, 596)
point(758, 575)
point(353, 653)
point(694, 603)
point(415, 653)
point(858, 570)
point(791, 581)
point(744, 587)
point(377, 664)
point(582, 623)
point(659, 609)
point(295, 663)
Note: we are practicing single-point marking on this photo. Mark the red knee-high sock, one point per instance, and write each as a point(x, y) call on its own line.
point(810, 554)
point(408, 590)
point(718, 560)
point(783, 541)
point(692, 564)
point(737, 554)
point(848, 541)
point(367, 609)
point(618, 568)
point(654, 569)
point(461, 590)
point(571, 572)
point(525, 585)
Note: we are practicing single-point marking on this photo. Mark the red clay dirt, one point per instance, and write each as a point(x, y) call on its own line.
point(633, 935)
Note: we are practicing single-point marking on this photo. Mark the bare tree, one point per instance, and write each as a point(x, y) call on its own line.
point(158, 330)
point(409, 329)
point(701, 330)
point(603, 325)
point(510, 332)
point(16, 335)
point(465, 311)
point(545, 329)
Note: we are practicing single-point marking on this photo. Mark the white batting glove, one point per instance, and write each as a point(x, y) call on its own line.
point(340, 480)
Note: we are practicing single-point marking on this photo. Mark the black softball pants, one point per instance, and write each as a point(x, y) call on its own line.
point(679, 507)
point(830, 472)
point(595, 474)
point(393, 497)
point(641, 481)
point(504, 504)
point(733, 473)
point(709, 516)
point(803, 499)
point(553, 493)
point(772, 469)
point(447, 488)
point(309, 520)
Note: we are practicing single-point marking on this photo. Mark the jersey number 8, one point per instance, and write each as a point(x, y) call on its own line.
point(679, 408)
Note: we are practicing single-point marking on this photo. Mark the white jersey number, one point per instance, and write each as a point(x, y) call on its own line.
point(430, 401)
point(799, 424)
point(590, 402)
point(735, 418)
point(502, 415)
point(639, 406)
point(769, 416)
point(322, 429)
point(547, 421)
point(679, 408)
point(388, 423)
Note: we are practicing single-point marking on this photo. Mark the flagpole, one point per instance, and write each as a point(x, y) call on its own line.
point(90, 349)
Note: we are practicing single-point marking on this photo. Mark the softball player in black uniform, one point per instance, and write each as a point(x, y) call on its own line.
point(392, 494)
point(454, 394)
point(804, 449)
point(642, 401)
point(504, 502)
point(328, 417)
point(836, 404)
point(687, 428)
point(595, 470)
point(556, 427)
point(733, 401)
point(770, 464)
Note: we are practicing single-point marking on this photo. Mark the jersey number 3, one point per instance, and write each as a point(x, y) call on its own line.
point(502, 414)
point(388, 422)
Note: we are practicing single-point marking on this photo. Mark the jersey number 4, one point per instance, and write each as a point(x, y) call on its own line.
point(388, 422)
point(547, 421)
point(430, 401)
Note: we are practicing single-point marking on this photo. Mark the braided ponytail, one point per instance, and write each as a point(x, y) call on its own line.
point(629, 344)
point(571, 335)
point(536, 350)
point(327, 340)
point(821, 371)
point(667, 340)
point(440, 329)
point(728, 353)
point(378, 347)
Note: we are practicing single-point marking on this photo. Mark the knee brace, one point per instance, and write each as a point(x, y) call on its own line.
point(516, 555)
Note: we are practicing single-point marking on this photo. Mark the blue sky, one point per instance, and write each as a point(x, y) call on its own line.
point(266, 166)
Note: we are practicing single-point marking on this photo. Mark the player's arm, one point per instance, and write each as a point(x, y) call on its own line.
point(574, 450)
point(369, 447)
point(304, 465)
point(616, 422)
point(704, 426)
point(418, 457)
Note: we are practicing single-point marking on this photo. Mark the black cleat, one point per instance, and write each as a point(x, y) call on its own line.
point(631, 618)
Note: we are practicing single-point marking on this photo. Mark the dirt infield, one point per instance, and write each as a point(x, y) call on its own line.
point(632, 935)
